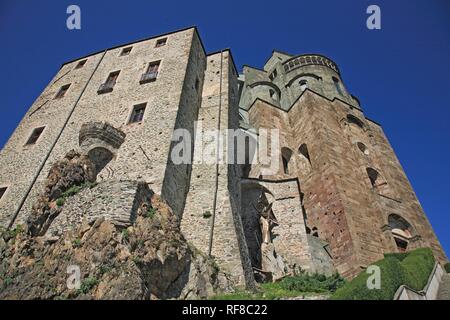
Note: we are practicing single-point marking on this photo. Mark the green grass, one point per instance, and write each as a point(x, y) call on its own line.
point(293, 286)
point(411, 269)
point(73, 190)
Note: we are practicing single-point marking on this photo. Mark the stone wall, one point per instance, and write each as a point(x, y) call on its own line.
point(144, 154)
point(200, 218)
point(114, 200)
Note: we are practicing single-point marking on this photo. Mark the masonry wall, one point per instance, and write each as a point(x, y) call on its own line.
point(144, 154)
point(200, 220)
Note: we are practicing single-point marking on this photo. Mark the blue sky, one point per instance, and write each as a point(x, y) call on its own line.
point(400, 73)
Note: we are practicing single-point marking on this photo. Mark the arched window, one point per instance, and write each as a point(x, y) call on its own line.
point(304, 164)
point(286, 155)
point(273, 94)
point(303, 150)
point(362, 147)
point(401, 231)
point(303, 84)
point(337, 85)
point(375, 178)
point(379, 183)
point(100, 157)
point(351, 119)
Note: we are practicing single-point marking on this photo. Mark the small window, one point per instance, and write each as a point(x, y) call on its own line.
point(112, 78)
point(109, 84)
point(272, 94)
point(151, 73)
point(362, 147)
point(303, 84)
point(2, 192)
point(337, 85)
point(137, 115)
point(62, 92)
point(81, 64)
point(35, 135)
point(126, 51)
point(273, 75)
point(161, 42)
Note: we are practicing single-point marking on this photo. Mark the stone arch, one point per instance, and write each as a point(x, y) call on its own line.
point(100, 141)
point(100, 157)
point(269, 84)
point(351, 119)
point(378, 182)
point(302, 75)
point(286, 156)
point(401, 230)
point(255, 198)
point(305, 159)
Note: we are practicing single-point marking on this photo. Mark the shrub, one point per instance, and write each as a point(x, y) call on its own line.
point(312, 283)
point(411, 269)
point(418, 266)
point(447, 267)
point(60, 202)
point(87, 284)
point(76, 243)
point(151, 212)
point(125, 234)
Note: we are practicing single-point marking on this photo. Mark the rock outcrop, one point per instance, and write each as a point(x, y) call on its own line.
point(100, 259)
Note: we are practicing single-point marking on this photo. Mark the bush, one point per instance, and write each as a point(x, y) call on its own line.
point(418, 265)
point(411, 269)
point(447, 267)
point(88, 284)
point(312, 283)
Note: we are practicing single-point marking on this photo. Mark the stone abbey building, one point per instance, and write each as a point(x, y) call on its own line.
point(338, 202)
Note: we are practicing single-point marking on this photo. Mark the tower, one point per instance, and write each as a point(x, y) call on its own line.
point(356, 201)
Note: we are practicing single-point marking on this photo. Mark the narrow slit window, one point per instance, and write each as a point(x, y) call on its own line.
point(35, 135)
point(62, 91)
point(2, 192)
point(137, 115)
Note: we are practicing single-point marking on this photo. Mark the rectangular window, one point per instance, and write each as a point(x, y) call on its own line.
point(151, 73)
point(62, 92)
point(110, 83)
point(2, 192)
point(138, 113)
point(35, 135)
point(161, 42)
point(126, 51)
point(81, 64)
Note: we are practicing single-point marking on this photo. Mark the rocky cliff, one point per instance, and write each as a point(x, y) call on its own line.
point(148, 258)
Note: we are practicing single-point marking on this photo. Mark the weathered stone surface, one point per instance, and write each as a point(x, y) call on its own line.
point(74, 170)
point(150, 260)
